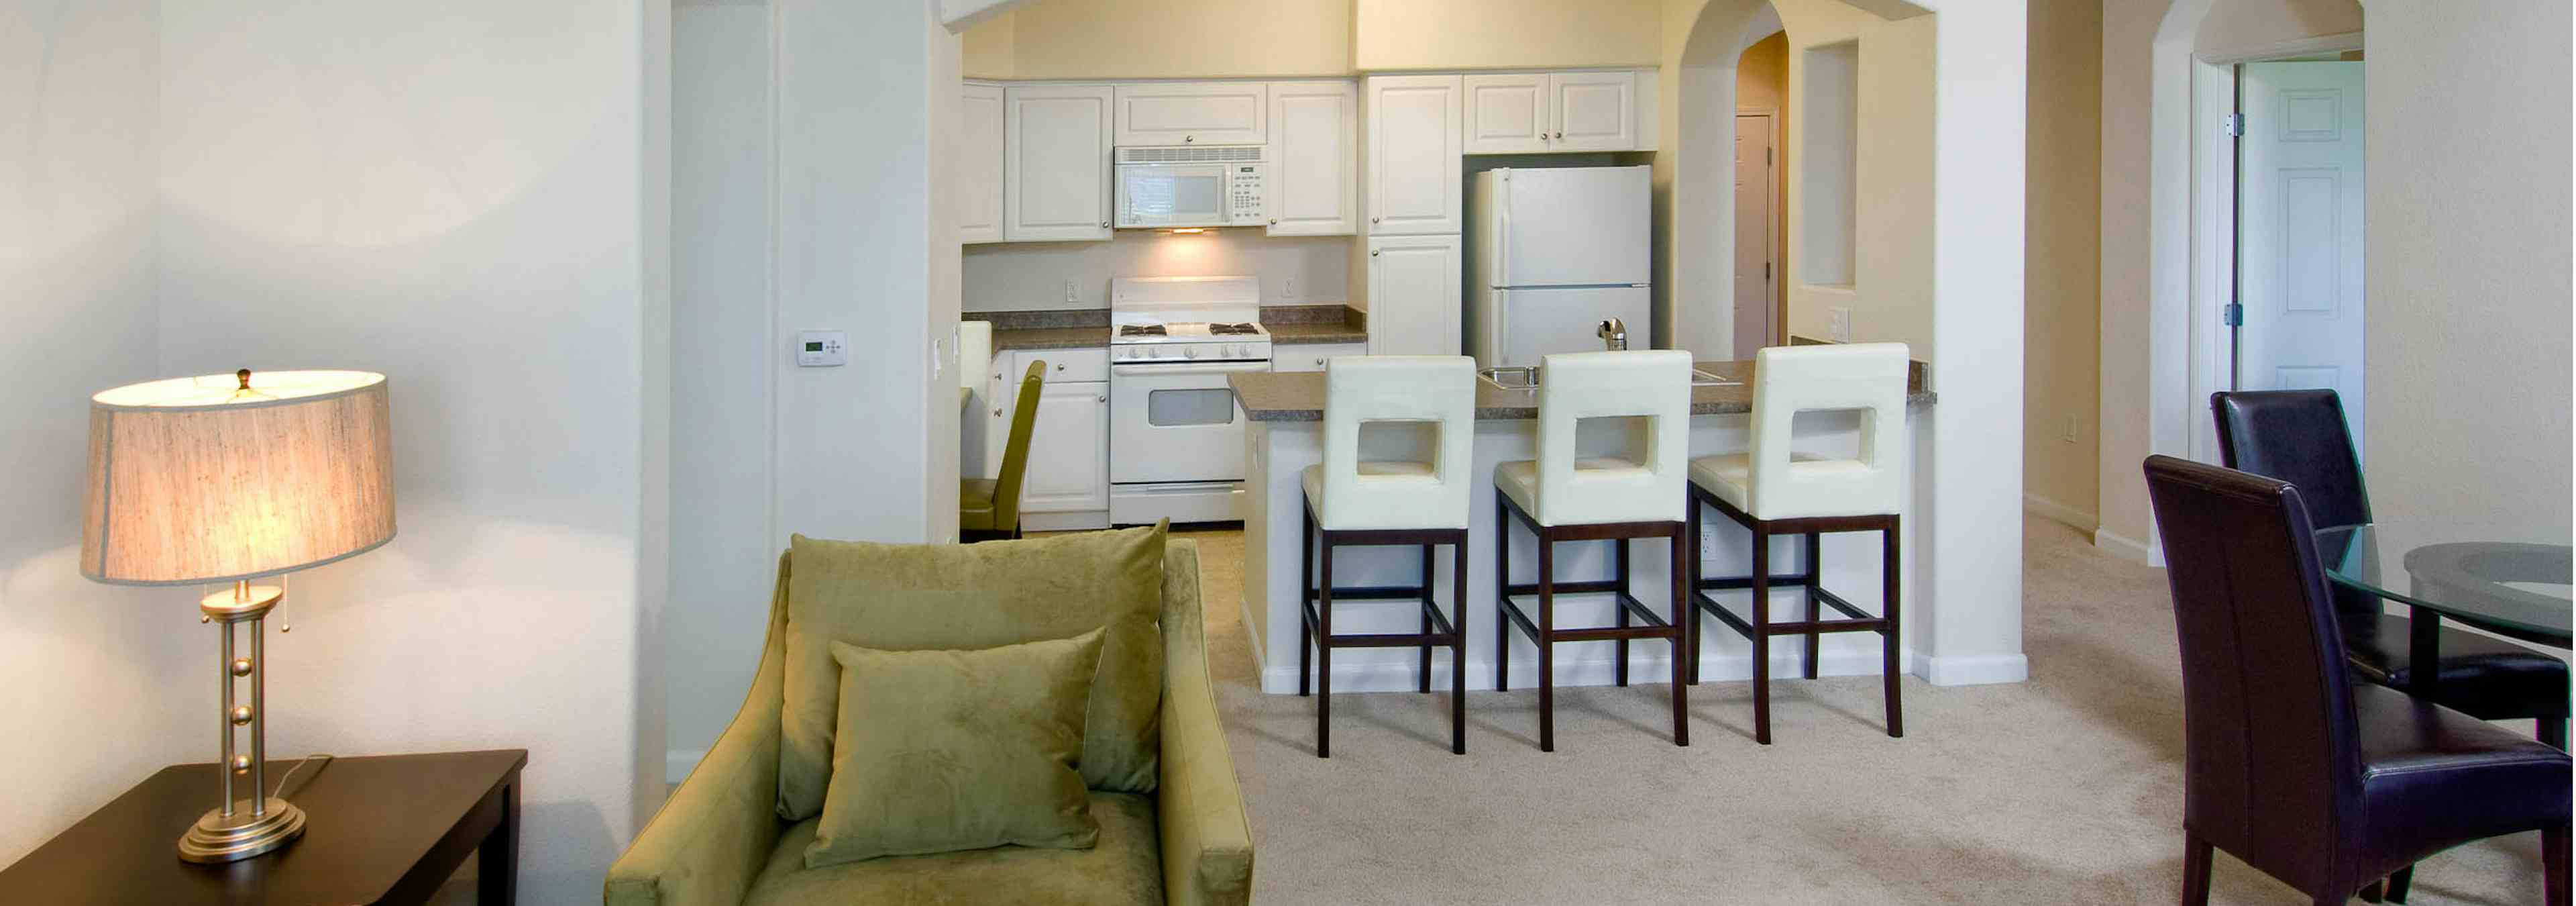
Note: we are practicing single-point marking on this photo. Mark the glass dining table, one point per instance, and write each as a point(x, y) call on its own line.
point(2512, 583)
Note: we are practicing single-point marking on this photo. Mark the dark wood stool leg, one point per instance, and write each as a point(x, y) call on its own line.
point(1691, 527)
point(1889, 635)
point(2398, 882)
point(1458, 646)
point(2370, 893)
point(1546, 642)
point(1502, 593)
point(2553, 864)
point(1426, 617)
point(1681, 634)
point(1324, 656)
point(2195, 870)
point(496, 872)
point(1761, 637)
point(2551, 731)
point(1305, 591)
point(1619, 670)
point(1814, 575)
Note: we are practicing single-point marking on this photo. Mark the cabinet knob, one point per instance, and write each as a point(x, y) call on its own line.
point(1101, 398)
point(1560, 135)
point(1189, 138)
point(1104, 224)
point(1372, 220)
point(1373, 253)
point(1274, 221)
point(1059, 367)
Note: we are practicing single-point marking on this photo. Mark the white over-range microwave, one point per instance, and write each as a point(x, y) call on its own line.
point(1191, 186)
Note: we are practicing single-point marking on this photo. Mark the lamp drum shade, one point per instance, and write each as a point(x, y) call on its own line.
point(236, 476)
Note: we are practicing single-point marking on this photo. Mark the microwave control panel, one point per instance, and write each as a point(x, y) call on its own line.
point(1243, 183)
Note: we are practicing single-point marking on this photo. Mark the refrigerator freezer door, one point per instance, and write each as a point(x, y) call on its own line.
point(1536, 322)
point(1575, 226)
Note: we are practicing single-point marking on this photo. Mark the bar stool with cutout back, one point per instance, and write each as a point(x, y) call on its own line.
point(989, 508)
point(1357, 502)
point(1774, 490)
point(1565, 496)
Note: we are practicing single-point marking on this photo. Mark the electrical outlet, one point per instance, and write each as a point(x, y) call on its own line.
point(1842, 324)
point(1287, 287)
point(2069, 434)
point(1069, 292)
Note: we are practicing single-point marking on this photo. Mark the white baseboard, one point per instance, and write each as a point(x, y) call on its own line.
point(1404, 676)
point(2058, 512)
point(676, 763)
point(2129, 548)
point(1977, 670)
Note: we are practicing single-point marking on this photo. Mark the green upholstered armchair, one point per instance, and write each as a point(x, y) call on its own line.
point(990, 507)
point(719, 839)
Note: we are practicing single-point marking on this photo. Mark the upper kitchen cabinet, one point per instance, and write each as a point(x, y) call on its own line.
point(1507, 113)
point(1193, 113)
point(1056, 186)
point(1314, 158)
point(1413, 167)
point(979, 164)
point(1594, 111)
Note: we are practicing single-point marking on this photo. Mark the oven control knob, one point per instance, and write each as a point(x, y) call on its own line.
point(1189, 353)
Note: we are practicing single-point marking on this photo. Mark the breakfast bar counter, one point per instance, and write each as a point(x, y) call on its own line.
point(1284, 435)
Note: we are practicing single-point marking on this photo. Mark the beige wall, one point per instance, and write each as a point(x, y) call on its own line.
point(2062, 292)
point(1762, 83)
point(2240, 26)
point(2468, 286)
point(1488, 34)
point(1127, 39)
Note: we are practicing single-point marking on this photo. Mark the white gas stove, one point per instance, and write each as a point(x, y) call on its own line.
point(1176, 436)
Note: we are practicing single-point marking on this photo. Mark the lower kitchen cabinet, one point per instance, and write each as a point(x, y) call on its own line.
point(1066, 485)
point(1310, 356)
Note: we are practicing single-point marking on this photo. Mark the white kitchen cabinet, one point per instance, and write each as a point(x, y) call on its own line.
point(1056, 185)
point(988, 427)
point(1068, 468)
point(1593, 111)
point(979, 150)
point(1414, 296)
point(1193, 113)
point(1285, 357)
point(1413, 167)
point(1314, 158)
point(1507, 113)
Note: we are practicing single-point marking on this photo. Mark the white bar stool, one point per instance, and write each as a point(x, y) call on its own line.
point(1565, 498)
point(1351, 502)
point(1773, 490)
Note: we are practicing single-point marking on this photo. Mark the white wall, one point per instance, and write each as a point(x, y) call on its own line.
point(1828, 164)
point(1294, 270)
point(2469, 285)
point(472, 225)
point(79, 99)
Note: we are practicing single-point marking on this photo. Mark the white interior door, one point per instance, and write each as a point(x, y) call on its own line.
point(1754, 186)
point(2299, 230)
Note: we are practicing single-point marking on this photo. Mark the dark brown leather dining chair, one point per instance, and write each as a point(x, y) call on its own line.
point(2289, 765)
point(2299, 436)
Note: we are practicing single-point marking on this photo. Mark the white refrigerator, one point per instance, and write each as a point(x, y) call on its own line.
point(1554, 253)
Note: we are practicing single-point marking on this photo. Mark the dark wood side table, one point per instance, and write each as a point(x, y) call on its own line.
point(379, 829)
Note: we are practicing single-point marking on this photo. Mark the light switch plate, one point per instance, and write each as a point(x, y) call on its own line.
point(822, 348)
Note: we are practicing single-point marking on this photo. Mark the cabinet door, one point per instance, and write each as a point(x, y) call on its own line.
point(1414, 295)
point(1057, 184)
point(1192, 113)
point(1593, 111)
point(1314, 158)
point(1068, 467)
point(988, 430)
point(1413, 167)
point(1287, 357)
point(979, 164)
point(1507, 113)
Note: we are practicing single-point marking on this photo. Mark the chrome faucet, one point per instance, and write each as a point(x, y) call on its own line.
point(1614, 335)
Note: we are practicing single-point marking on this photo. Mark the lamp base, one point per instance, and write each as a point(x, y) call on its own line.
point(215, 838)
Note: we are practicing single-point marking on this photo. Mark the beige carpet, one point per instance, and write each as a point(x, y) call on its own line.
point(2064, 789)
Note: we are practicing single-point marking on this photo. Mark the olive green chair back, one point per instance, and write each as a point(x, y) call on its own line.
point(993, 507)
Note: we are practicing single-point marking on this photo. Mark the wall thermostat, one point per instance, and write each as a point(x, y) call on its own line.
point(822, 348)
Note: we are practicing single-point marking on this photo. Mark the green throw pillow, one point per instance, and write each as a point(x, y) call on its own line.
point(967, 597)
point(939, 751)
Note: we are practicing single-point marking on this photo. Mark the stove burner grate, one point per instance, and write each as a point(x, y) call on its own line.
point(1142, 330)
point(1233, 329)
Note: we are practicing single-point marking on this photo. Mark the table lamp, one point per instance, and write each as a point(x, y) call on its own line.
point(231, 478)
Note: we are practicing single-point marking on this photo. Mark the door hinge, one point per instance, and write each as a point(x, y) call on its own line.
point(2235, 125)
point(2234, 314)
point(1766, 157)
point(1766, 271)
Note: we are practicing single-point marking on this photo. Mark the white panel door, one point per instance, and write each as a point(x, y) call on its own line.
point(1531, 323)
point(1314, 158)
point(1593, 111)
point(980, 144)
point(2299, 225)
point(1057, 183)
point(1068, 469)
point(1754, 231)
point(1507, 113)
point(1193, 113)
point(1414, 303)
point(1412, 154)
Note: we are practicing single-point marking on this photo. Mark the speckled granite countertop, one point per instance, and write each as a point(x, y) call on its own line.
point(1299, 396)
point(1289, 325)
point(1050, 338)
point(1295, 334)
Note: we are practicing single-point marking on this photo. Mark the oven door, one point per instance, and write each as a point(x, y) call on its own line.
point(1175, 422)
point(1171, 195)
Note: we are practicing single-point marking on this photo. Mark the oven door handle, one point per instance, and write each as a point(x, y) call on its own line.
point(1186, 370)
